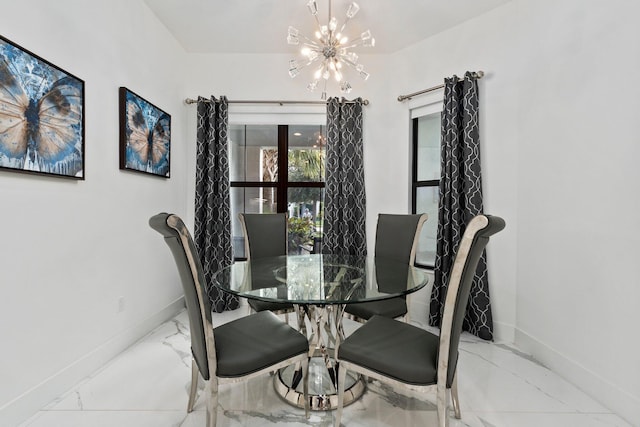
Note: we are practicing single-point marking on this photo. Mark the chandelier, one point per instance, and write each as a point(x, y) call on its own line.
point(329, 51)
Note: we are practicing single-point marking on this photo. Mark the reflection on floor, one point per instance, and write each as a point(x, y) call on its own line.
point(147, 385)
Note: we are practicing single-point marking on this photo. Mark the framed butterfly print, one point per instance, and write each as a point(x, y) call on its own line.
point(145, 135)
point(41, 115)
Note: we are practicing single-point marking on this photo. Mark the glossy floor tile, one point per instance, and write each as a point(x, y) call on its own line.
point(147, 385)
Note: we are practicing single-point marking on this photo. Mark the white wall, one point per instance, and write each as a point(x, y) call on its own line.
point(558, 108)
point(387, 126)
point(578, 287)
point(569, 306)
point(71, 249)
point(265, 77)
point(481, 44)
point(560, 151)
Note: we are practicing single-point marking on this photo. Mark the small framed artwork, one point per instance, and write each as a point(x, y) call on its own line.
point(41, 115)
point(145, 135)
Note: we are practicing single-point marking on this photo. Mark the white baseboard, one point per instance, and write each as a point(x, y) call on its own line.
point(24, 406)
point(503, 332)
point(611, 396)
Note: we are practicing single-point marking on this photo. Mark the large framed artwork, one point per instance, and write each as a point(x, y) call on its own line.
point(41, 115)
point(145, 135)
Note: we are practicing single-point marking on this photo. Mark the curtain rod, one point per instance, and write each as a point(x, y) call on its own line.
point(475, 74)
point(195, 101)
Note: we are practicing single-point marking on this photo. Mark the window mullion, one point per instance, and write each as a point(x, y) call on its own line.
point(283, 167)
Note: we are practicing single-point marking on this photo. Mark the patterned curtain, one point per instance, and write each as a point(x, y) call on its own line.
point(460, 200)
point(344, 198)
point(212, 229)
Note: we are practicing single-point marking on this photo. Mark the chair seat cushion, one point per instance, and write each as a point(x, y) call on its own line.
point(391, 308)
point(254, 342)
point(258, 305)
point(395, 349)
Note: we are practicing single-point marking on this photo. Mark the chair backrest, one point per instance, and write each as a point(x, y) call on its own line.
point(177, 237)
point(265, 235)
point(474, 240)
point(397, 236)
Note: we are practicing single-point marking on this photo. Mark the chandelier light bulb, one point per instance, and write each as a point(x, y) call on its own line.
point(329, 50)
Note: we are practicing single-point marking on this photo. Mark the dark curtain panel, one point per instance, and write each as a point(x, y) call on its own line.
point(460, 200)
point(212, 228)
point(344, 198)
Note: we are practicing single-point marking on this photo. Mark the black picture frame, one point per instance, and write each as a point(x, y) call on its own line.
point(145, 136)
point(41, 115)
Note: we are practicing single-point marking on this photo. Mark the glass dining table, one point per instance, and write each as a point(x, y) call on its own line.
point(320, 286)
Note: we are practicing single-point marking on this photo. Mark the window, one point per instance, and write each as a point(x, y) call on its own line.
point(425, 183)
point(278, 168)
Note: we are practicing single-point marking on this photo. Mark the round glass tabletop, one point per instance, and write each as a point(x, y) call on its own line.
point(320, 279)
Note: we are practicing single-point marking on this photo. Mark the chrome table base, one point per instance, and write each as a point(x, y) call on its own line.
point(327, 333)
point(323, 395)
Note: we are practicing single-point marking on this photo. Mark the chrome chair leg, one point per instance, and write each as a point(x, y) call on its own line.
point(342, 378)
point(195, 375)
point(305, 385)
point(212, 402)
point(454, 396)
point(442, 405)
point(340, 335)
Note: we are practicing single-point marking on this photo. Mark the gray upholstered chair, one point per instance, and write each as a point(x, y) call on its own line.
point(265, 235)
point(246, 347)
point(405, 355)
point(396, 239)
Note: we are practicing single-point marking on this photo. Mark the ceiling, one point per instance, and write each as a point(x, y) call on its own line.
point(260, 26)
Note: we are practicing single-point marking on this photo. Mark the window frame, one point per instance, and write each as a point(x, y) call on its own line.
point(282, 185)
point(431, 108)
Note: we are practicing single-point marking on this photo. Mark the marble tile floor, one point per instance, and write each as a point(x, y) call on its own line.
point(147, 385)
